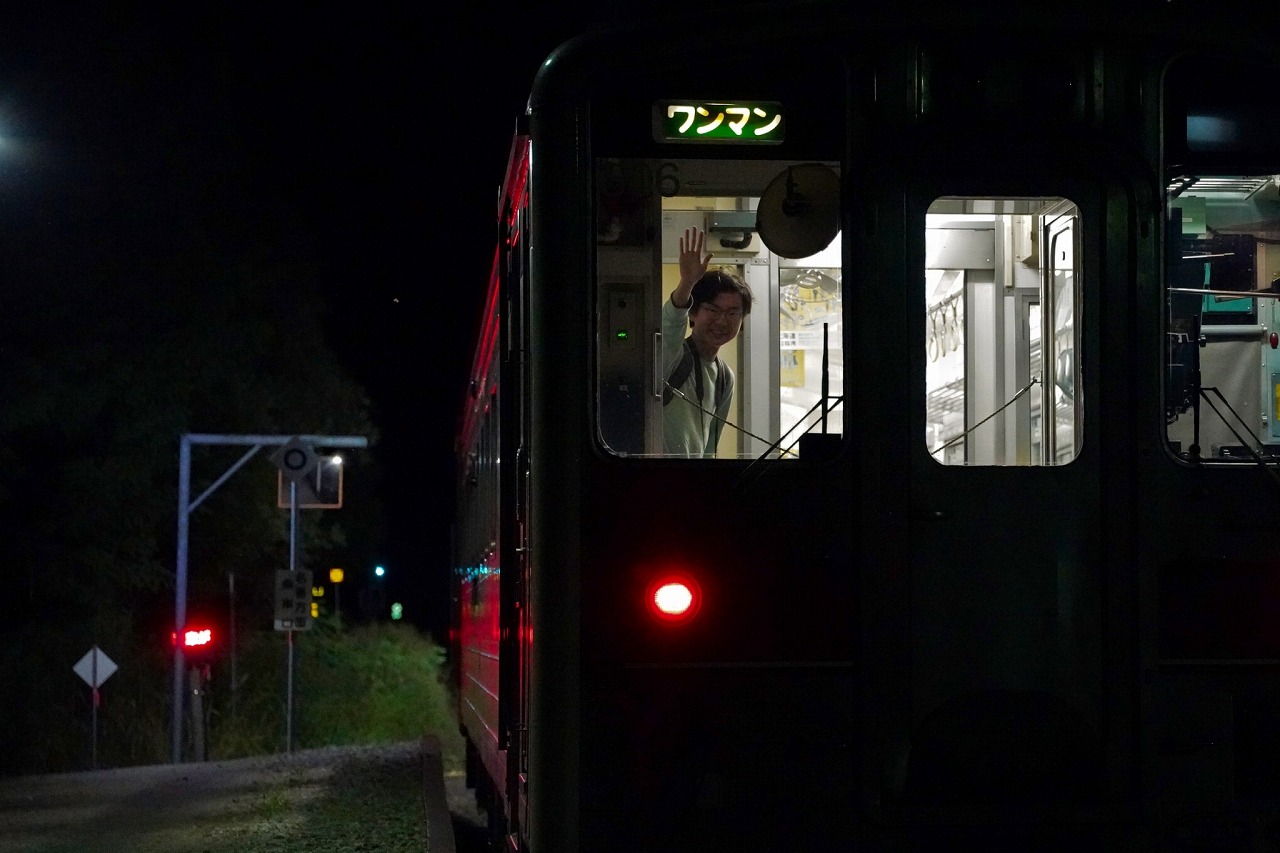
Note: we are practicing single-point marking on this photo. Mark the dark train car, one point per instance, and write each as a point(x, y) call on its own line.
point(988, 551)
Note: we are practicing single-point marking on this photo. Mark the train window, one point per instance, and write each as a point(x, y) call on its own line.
point(786, 364)
point(1222, 272)
point(1002, 382)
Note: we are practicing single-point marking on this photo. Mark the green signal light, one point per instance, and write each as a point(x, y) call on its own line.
point(622, 334)
point(397, 610)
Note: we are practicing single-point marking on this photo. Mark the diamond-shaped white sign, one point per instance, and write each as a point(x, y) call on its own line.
point(95, 663)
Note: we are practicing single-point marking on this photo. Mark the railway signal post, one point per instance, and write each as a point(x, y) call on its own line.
point(293, 457)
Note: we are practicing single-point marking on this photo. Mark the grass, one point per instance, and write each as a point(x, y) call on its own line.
point(382, 683)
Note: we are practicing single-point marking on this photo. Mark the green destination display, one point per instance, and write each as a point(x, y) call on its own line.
point(719, 121)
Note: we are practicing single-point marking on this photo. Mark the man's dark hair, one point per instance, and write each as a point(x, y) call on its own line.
point(715, 282)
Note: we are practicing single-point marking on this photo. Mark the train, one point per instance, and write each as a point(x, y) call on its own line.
point(987, 552)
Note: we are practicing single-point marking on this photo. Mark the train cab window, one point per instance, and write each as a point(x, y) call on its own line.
point(1002, 381)
point(786, 362)
point(1222, 264)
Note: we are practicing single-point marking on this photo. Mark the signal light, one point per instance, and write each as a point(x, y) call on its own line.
point(674, 598)
point(198, 646)
point(197, 638)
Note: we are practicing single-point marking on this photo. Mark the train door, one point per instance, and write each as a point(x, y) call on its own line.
point(1003, 625)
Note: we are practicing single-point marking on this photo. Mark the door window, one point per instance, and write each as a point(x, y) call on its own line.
point(1001, 301)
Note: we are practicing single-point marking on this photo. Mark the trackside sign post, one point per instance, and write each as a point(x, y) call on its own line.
point(295, 457)
point(95, 668)
point(296, 460)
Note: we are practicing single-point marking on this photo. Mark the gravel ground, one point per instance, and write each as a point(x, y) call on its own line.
point(332, 799)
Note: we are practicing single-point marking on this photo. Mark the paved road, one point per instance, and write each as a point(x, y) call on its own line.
point(332, 799)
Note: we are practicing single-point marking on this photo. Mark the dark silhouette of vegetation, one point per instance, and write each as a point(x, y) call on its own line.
point(143, 302)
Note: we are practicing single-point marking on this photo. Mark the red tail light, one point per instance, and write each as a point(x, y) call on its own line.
point(674, 598)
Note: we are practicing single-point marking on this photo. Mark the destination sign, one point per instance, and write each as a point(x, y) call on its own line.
point(739, 122)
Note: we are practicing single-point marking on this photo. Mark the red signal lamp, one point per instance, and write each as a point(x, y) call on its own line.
point(197, 642)
point(197, 638)
point(674, 598)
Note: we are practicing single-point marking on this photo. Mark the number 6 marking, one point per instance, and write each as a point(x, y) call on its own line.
point(668, 179)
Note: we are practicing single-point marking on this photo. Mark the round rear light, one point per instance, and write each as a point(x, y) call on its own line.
point(674, 599)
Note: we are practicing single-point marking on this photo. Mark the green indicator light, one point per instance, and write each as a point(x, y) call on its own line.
point(397, 610)
point(743, 122)
point(622, 334)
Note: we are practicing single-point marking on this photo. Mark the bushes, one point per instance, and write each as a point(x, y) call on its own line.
point(372, 684)
point(378, 683)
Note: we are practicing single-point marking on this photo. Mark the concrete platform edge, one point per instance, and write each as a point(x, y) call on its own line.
point(439, 823)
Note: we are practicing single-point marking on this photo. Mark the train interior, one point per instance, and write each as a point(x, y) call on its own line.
point(1223, 379)
point(1000, 292)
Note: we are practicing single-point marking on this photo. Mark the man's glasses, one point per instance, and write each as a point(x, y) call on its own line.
point(733, 315)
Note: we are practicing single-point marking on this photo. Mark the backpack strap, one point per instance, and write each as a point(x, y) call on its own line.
point(680, 373)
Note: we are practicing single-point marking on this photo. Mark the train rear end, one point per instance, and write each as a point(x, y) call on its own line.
point(908, 602)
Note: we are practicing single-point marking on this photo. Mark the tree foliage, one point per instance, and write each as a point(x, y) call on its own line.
point(133, 318)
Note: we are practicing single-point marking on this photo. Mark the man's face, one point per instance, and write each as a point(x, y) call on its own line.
point(717, 322)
